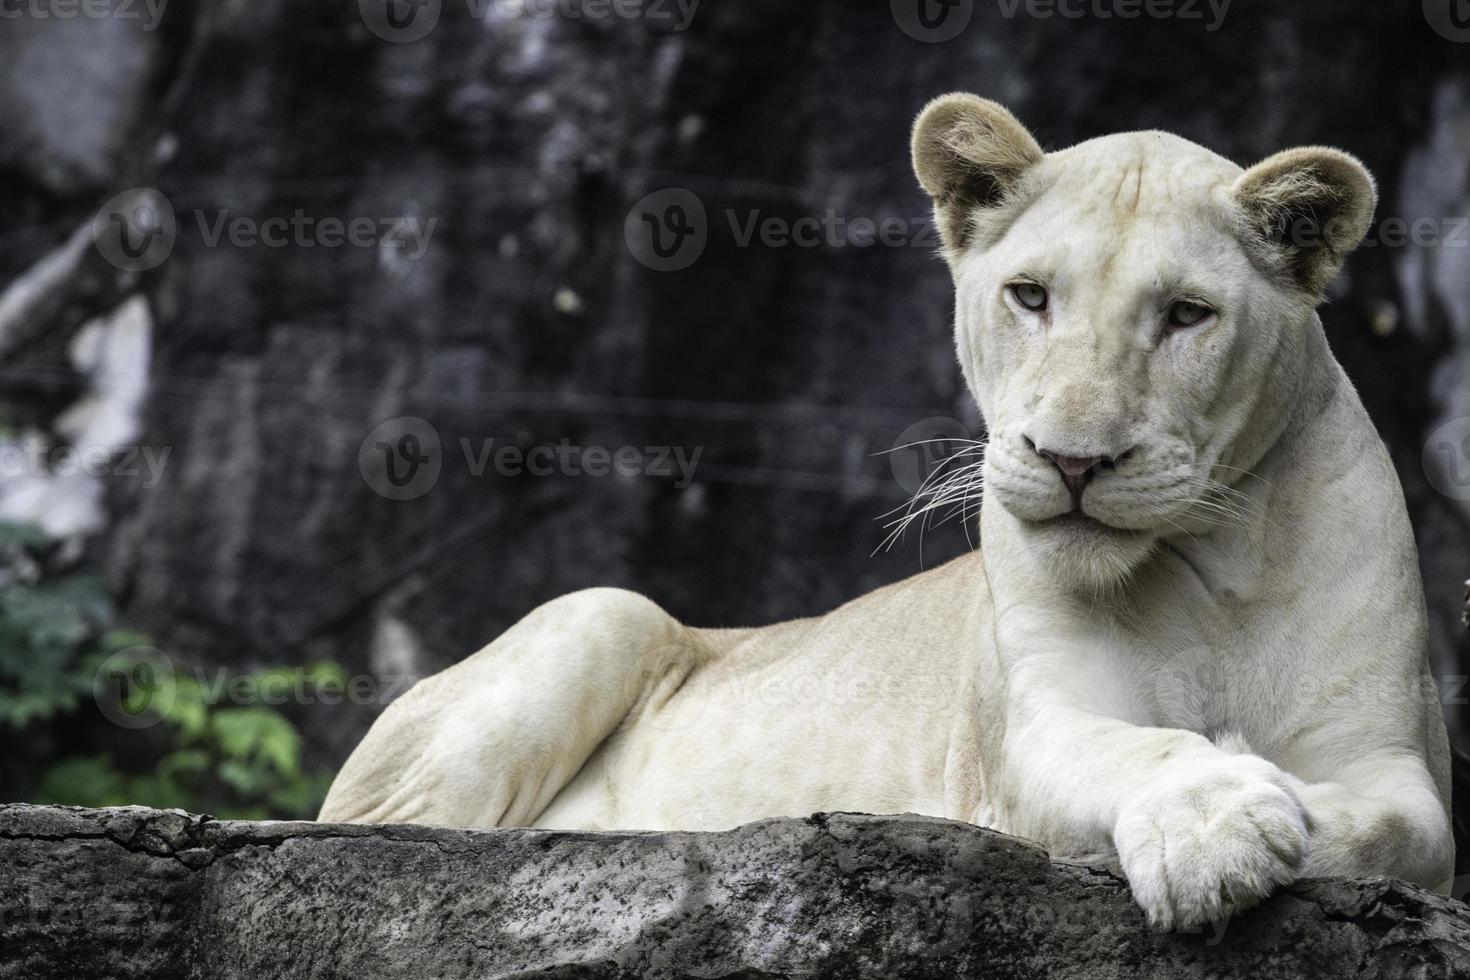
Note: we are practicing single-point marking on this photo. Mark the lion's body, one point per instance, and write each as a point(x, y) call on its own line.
point(1226, 687)
point(837, 705)
point(703, 717)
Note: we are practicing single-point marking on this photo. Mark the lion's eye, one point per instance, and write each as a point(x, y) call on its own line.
point(1030, 295)
point(1185, 314)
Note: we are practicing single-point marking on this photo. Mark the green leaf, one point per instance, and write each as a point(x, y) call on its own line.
point(87, 781)
point(242, 813)
point(115, 640)
point(23, 535)
point(301, 799)
point(249, 780)
point(258, 733)
point(184, 762)
point(158, 791)
point(327, 672)
point(232, 759)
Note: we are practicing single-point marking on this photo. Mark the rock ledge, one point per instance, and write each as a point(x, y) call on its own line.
point(144, 893)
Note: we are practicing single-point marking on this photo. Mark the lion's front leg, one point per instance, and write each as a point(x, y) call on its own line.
point(1211, 835)
point(1374, 811)
point(1200, 832)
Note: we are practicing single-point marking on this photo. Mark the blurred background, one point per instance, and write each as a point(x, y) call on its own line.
point(336, 337)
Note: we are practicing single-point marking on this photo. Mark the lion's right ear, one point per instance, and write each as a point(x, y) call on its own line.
point(969, 153)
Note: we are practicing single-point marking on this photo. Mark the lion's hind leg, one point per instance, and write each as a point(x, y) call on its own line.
point(492, 740)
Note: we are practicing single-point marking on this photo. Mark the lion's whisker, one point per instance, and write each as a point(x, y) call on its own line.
point(947, 486)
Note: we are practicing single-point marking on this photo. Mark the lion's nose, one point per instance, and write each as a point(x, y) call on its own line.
point(1077, 471)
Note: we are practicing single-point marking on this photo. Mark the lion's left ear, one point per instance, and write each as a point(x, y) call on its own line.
point(1310, 207)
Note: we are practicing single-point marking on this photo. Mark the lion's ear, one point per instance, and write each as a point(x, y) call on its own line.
point(1309, 208)
point(969, 153)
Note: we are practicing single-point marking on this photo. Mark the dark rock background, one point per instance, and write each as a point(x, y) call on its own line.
point(529, 320)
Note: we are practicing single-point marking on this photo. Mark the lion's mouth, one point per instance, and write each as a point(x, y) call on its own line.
point(1080, 522)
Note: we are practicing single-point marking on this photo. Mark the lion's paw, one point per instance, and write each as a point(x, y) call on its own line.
point(1211, 840)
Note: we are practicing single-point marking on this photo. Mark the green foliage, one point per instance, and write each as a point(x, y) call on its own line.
point(48, 630)
point(103, 719)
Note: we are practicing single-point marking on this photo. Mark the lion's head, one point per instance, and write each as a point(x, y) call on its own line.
point(1134, 315)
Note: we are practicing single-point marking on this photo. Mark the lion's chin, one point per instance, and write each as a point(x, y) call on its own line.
point(1082, 552)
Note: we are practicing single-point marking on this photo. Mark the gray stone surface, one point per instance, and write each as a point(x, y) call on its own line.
point(76, 85)
point(141, 893)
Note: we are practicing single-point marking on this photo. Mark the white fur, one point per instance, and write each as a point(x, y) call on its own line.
point(1221, 677)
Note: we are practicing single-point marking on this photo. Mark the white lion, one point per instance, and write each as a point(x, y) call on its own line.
point(1195, 638)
